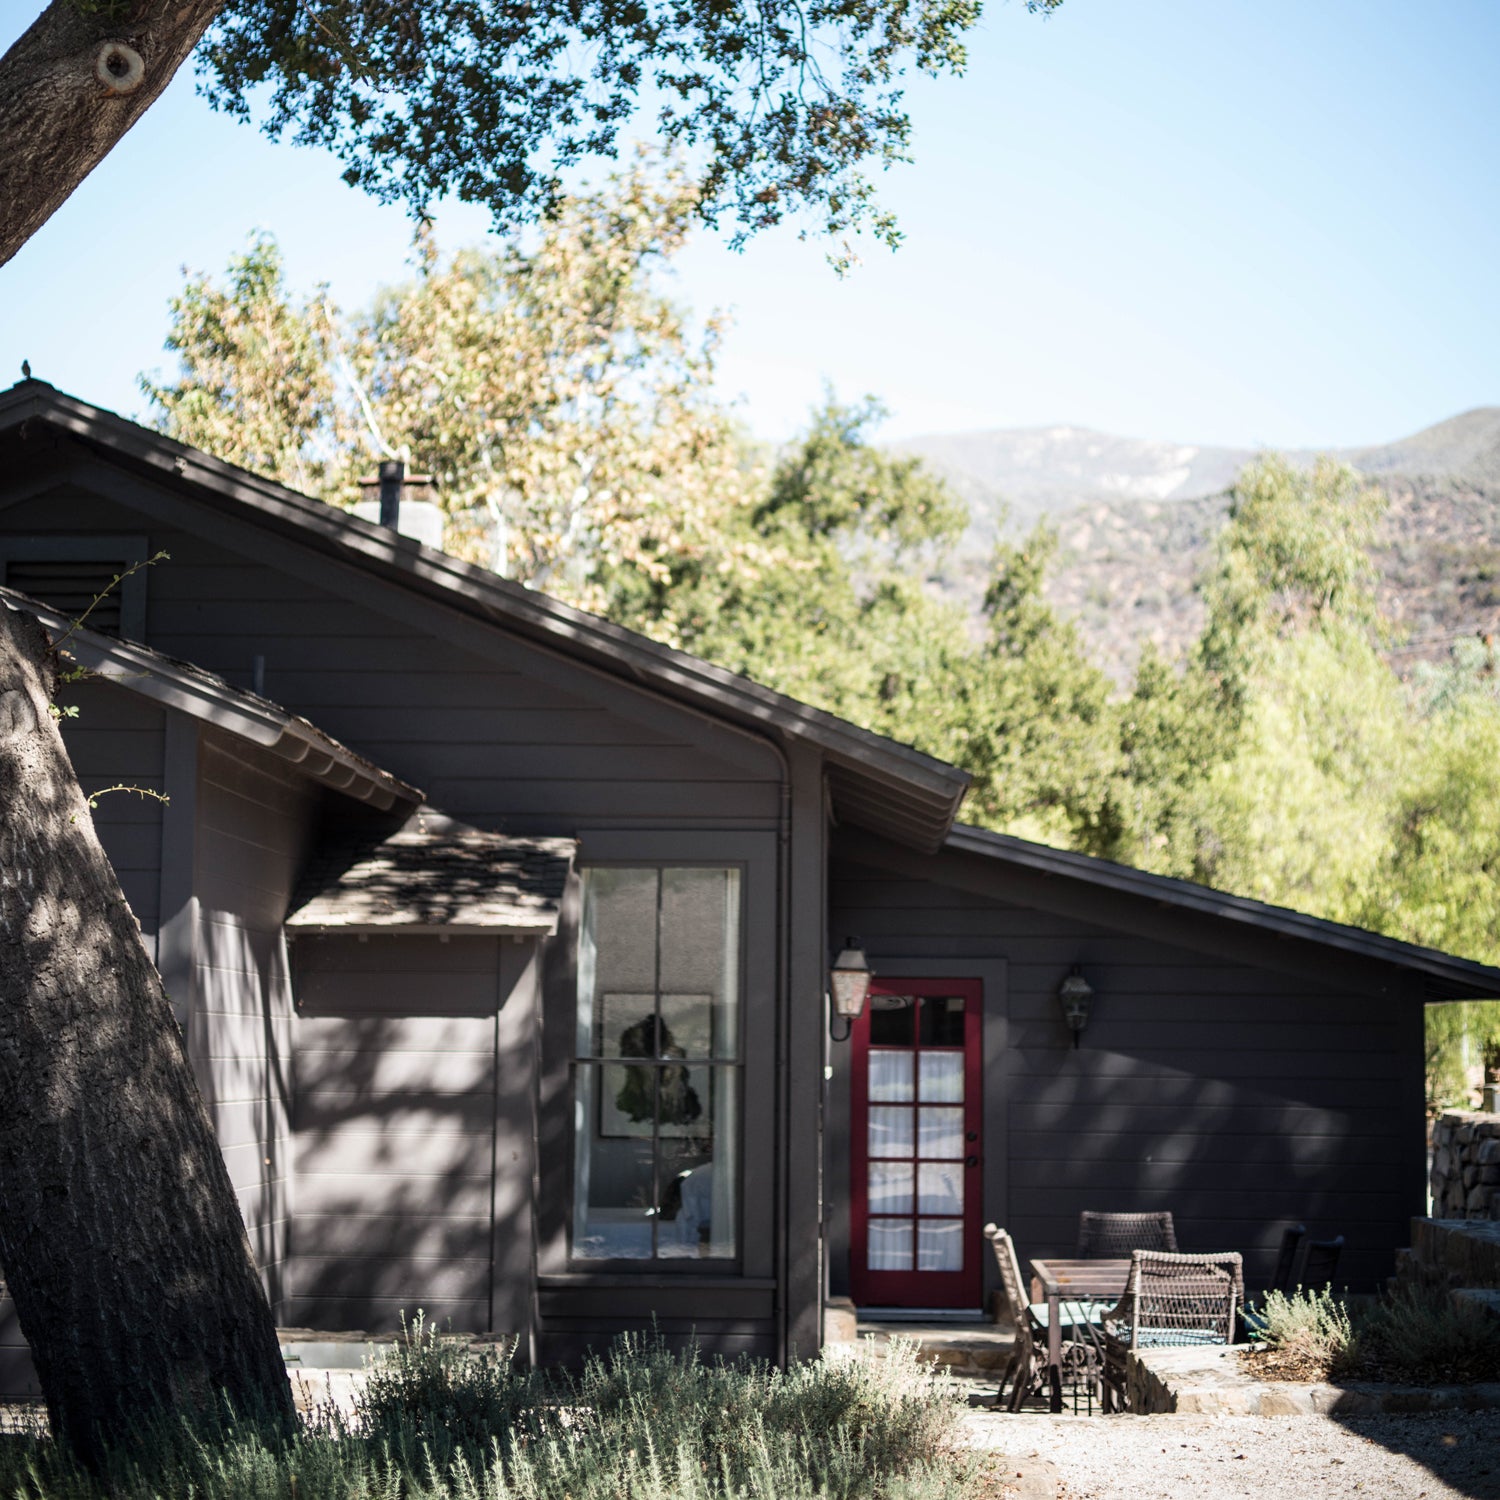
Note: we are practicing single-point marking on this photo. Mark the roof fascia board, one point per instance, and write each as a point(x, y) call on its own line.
point(530, 614)
point(1257, 916)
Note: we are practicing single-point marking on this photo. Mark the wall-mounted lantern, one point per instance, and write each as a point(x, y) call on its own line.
point(849, 987)
point(1074, 995)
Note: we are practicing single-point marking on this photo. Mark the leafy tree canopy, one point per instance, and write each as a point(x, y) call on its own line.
point(786, 104)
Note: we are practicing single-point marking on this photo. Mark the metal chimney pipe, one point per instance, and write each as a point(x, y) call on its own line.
point(392, 481)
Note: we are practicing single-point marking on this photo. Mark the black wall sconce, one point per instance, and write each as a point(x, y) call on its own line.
point(849, 987)
point(1074, 994)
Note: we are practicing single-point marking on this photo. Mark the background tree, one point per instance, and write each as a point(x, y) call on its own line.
point(785, 103)
point(560, 399)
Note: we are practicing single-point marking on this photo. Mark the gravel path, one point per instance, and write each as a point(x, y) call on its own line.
point(1449, 1456)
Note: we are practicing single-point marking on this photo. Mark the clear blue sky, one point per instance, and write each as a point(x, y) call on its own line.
point(1232, 221)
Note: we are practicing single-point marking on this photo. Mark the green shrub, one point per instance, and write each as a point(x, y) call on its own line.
point(1418, 1335)
point(440, 1421)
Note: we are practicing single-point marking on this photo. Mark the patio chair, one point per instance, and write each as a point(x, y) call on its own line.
point(1026, 1371)
point(1292, 1238)
point(1170, 1301)
point(1104, 1236)
point(1316, 1262)
point(1252, 1315)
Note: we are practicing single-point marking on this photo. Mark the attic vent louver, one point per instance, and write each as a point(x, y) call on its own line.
point(71, 587)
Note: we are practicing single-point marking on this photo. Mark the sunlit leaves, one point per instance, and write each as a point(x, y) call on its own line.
point(786, 103)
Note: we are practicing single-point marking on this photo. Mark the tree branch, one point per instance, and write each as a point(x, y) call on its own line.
point(71, 87)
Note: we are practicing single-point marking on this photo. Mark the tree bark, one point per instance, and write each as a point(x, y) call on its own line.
point(120, 1235)
point(71, 87)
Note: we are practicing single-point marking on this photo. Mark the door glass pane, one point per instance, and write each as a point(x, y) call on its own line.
point(890, 1187)
point(943, 1021)
point(940, 1245)
point(940, 1188)
point(890, 1076)
point(891, 1130)
point(891, 1020)
point(940, 1132)
point(890, 1245)
point(942, 1077)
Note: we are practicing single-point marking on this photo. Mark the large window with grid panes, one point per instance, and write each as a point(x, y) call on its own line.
point(657, 1069)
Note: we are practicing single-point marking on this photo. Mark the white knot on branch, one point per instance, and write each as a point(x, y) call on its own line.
point(119, 68)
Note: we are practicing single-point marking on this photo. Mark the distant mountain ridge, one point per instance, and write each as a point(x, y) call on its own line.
point(1137, 520)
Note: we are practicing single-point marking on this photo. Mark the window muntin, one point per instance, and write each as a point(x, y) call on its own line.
point(657, 1070)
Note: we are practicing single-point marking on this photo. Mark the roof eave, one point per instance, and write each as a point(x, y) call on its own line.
point(1446, 977)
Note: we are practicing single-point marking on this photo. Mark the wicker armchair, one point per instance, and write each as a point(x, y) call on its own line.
point(1170, 1301)
point(1026, 1372)
point(1114, 1236)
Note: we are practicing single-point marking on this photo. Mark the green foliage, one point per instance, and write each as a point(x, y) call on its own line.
point(786, 106)
point(1294, 556)
point(1420, 1335)
point(1415, 1334)
point(439, 1421)
point(1315, 1324)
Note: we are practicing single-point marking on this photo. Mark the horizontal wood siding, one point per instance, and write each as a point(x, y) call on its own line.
point(116, 739)
point(395, 1131)
point(491, 728)
point(256, 821)
point(1240, 1098)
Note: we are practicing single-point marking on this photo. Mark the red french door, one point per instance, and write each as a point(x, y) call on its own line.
point(915, 1211)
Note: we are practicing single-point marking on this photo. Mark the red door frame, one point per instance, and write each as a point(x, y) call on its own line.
point(962, 1288)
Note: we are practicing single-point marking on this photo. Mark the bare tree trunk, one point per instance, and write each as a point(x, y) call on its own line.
point(120, 1235)
point(82, 74)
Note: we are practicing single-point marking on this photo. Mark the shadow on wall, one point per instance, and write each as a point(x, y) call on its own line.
point(1233, 1097)
point(393, 1141)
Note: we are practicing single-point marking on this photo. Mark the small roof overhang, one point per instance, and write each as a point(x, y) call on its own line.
point(189, 689)
point(874, 782)
point(1443, 976)
point(434, 875)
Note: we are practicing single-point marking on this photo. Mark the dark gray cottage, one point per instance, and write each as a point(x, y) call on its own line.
point(500, 939)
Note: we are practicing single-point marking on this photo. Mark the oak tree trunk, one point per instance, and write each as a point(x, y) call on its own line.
point(81, 75)
point(120, 1235)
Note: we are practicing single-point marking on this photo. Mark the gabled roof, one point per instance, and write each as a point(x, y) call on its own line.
point(189, 689)
point(1444, 976)
point(875, 782)
point(435, 875)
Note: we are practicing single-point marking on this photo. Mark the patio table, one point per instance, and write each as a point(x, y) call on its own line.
point(1062, 1281)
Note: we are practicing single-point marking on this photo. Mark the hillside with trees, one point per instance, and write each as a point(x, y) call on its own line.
point(1137, 524)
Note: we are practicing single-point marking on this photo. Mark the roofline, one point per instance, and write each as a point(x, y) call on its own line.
point(1459, 978)
point(201, 695)
point(623, 652)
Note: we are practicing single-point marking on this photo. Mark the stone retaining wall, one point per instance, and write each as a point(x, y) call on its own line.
point(1466, 1166)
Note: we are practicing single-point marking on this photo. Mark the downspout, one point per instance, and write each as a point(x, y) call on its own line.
point(784, 1052)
